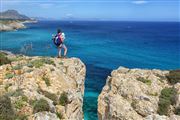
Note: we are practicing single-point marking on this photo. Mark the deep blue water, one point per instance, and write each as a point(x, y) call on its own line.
point(103, 46)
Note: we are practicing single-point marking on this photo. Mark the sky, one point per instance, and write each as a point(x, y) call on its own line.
point(115, 10)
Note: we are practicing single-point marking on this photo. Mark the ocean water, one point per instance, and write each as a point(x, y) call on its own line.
point(102, 46)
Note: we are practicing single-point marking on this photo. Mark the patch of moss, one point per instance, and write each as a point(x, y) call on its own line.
point(146, 81)
point(6, 109)
point(4, 59)
point(9, 75)
point(166, 99)
point(63, 99)
point(173, 76)
point(46, 80)
point(41, 105)
point(59, 115)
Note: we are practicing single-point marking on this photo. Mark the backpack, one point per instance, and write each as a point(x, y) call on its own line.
point(57, 40)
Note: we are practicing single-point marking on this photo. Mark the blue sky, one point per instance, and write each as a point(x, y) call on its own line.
point(121, 10)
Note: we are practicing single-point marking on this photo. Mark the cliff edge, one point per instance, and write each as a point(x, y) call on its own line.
point(41, 88)
point(138, 94)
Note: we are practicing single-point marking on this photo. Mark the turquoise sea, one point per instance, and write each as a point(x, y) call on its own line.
point(102, 46)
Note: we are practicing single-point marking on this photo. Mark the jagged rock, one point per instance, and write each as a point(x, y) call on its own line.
point(133, 94)
point(30, 79)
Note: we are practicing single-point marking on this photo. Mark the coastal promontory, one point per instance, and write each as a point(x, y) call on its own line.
point(13, 20)
point(41, 88)
point(140, 94)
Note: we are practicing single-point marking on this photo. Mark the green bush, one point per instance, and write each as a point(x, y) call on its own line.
point(59, 115)
point(63, 100)
point(46, 80)
point(51, 96)
point(19, 103)
point(173, 76)
point(21, 117)
point(146, 81)
point(7, 86)
point(6, 109)
point(166, 99)
point(177, 111)
point(4, 59)
point(9, 75)
point(41, 105)
point(17, 67)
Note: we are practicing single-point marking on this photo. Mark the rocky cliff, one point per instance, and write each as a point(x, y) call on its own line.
point(137, 94)
point(8, 25)
point(41, 88)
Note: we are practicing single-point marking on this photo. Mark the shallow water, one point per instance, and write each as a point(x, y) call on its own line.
point(102, 46)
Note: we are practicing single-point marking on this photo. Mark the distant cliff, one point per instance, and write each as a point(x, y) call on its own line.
point(13, 15)
point(41, 88)
point(139, 94)
point(12, 20)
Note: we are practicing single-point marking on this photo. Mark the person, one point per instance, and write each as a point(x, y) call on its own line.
point(60, 37)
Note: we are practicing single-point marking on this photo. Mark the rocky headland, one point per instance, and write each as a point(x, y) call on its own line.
point(41, 88)
point(139, 94)
point(12, 20)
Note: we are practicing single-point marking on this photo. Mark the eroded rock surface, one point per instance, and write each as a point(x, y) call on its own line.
point(133, 94)
point(43, 88)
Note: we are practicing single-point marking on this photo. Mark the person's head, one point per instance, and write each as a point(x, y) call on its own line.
point(59, 31)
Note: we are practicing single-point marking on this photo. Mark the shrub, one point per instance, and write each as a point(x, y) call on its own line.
point(46, 80)
point(6, 109)
point(41, 105)
point(173, 76)
point(63, 100)
point(4, 59)
point(17, 67)
point(9, 75)
point(19, 103)
point(21, 117)
point(51, 96)
point(59, 115)
point(165, 100)
point(7, 86)
point(146, 81)
point(177, 111)
point(41, 62)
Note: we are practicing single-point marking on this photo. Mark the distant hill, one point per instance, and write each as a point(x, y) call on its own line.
point(13, 15)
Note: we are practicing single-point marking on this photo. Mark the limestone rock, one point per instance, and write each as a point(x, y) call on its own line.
point(133, 94)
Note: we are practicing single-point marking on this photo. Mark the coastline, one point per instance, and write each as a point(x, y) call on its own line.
point(10, 25)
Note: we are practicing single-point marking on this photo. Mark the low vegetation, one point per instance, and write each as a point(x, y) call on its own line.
point(63, 99)
point(4, 59)
point(177, 111)
point(173, 76)
point(17, 67)
point(46, 80)
point(166, 99)
point(51, 96)
point(59, 115)
point(146, 81)
point(41, 105)
point(9, 75)
point(6, 109)
point(40, 62)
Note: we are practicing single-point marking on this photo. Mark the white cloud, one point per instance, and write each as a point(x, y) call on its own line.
point(140, 2)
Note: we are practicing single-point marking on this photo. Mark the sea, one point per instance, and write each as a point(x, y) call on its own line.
point(102, 46)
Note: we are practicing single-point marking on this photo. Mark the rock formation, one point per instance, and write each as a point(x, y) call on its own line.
point(137, 94)
point(41, 88)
